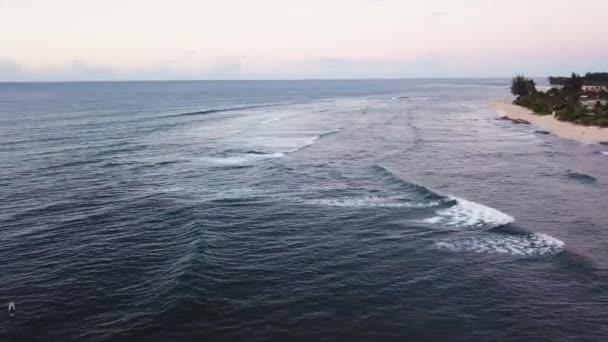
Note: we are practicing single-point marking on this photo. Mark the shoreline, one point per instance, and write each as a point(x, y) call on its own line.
point(566, 130)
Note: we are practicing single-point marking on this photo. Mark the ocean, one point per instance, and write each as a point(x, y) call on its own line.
point(369, 210)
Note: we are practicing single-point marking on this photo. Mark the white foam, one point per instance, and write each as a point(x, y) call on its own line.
point(338, 130)
point(469, 214)
point(242, 159)
point(239, 193)
point(267, 121)
point(287, 142)
point(309, 141)
point(536, 244)
point(604, 152)
point(433, 220)
point(370, 201)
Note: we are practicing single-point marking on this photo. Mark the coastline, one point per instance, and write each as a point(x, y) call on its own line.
point(566, 130)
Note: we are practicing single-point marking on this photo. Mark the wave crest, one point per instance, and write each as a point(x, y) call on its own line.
point(370, 202)
point(456, 212)
point(581, 177)
point(242, 159)
point(469, 214)
point(535, 244)
point(414, 190)
point(219, 110)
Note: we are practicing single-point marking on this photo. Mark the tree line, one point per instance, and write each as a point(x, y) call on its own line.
point(590, 78)
point(565, 103)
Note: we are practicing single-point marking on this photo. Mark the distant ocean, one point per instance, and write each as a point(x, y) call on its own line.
point(377, 210)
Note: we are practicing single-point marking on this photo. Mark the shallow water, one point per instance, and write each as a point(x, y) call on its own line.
point(312, 210)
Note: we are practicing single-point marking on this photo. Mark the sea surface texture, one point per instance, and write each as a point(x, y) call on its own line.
point(377, 210)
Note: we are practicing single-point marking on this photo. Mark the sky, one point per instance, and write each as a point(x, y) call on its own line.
point(75, 40)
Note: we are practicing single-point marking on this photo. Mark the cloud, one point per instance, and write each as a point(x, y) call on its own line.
point(11, 71)
point(425, 65)
point(184, 67)
point(77, 71)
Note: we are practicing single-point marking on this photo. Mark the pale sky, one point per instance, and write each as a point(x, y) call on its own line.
point(292, 39)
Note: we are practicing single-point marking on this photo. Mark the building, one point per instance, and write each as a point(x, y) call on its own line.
point(594, 88)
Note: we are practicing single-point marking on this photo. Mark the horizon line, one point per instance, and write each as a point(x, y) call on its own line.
point(269, 79)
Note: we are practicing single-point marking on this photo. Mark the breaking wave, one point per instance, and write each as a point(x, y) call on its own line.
point(469, 214)
point(242, 159)
point(410, 189)
point(535, 244)
point(311, 140)
point(456, 212)
point(370, 202)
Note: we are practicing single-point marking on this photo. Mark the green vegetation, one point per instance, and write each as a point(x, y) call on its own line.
point(565, 102)
point(590, 78)
point(522, 86)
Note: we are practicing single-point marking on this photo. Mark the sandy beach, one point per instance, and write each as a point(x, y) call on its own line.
point(588, 135)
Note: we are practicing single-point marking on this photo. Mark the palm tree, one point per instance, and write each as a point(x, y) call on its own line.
point(522, 86)
point(573, 86)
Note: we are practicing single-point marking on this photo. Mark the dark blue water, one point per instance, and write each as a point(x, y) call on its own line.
point(308, 210)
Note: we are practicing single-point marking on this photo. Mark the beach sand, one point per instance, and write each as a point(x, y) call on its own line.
point(588, 135)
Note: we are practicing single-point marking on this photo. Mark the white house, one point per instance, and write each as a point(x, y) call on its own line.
point(594, 88)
